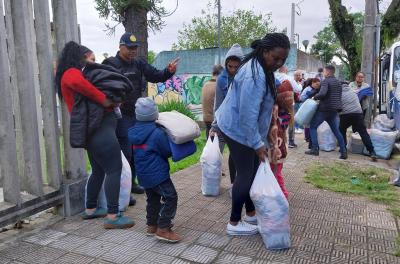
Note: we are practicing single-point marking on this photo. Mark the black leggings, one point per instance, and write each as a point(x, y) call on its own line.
point(105, 158)
point(246, 163)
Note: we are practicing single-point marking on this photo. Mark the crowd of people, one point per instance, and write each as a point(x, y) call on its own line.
point(249, 104)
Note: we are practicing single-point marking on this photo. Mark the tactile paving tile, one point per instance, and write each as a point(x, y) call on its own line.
point(122, 254)
point(45, 237)
point(69, 242)
point(230, 258)
point(140, 241)
point(213, 240)
point(94, 248)
point(153, 258)
point(199, 254)
point(18, 249)
point(42, 255)
point(72, 258)
point(169, 249)
point(116, 235)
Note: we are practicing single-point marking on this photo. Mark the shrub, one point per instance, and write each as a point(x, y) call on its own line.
point(178, 106)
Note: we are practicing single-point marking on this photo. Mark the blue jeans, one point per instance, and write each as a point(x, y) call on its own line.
point(332, 118)
point(123, 125)
point(161, 214)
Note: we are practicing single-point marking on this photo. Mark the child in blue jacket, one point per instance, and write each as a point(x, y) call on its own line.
point(151, 151)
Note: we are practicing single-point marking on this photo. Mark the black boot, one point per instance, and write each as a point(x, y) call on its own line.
point(132, 201)
point(343, 155)
point(313, 152)
point(373, 156)
point(136, 188)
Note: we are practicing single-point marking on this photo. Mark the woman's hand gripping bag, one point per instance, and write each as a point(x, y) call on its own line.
point(306, 112)
point(272, 209)
point(211, 164)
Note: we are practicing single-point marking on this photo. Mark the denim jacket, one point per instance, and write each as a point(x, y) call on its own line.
point(245, 114)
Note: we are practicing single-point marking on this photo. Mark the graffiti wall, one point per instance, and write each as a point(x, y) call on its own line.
point(185, 87)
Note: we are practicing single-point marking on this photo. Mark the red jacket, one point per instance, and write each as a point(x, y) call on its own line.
point(73, 82)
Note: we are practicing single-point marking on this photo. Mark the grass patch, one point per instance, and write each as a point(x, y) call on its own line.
point(397, 253)
point(191, 160)
point(369, 182)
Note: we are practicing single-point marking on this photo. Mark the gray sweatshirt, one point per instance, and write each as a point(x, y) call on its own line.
point(350, 102)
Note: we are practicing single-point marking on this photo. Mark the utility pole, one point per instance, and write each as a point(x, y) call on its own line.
point(293, 17)
point(369, 50)
point(219, 31)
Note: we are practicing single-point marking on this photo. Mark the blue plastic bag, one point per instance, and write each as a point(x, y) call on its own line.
point(181, 151)
point(272, 209)
point(306, 112)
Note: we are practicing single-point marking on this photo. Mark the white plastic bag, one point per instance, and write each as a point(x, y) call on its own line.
point(124, 191)
point(211, 164)
point(272, 209)
point(306, 112)
point(180, 128)
point(326, 138)
point(383, 142)
point(383, 123)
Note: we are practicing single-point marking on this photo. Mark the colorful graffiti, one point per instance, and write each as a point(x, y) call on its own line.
point(186, 88)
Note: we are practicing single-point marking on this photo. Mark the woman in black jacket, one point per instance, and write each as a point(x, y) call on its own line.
point(102, 144)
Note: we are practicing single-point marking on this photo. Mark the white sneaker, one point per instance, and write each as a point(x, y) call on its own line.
point(241, 229)
point(252, 220)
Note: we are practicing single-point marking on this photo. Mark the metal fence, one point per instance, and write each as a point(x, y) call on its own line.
point(38, 169)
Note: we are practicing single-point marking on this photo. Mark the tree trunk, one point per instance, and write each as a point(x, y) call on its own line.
point(343, 25)
point(136, 23)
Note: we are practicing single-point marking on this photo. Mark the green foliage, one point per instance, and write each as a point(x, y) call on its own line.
point(329, 46)
point(151, 56)
point(242, 26)
point(390, 25)
point(178, 106)
point(191, 160)
point(116, 11)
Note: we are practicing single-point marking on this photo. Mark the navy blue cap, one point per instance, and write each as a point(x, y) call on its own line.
point(128, 39)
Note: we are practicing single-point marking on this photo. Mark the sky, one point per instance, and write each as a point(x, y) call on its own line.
point(314, 16)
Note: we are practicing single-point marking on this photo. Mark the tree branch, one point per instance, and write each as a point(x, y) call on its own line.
point(390, 26)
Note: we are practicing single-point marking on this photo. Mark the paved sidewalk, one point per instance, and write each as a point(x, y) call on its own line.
point(326, 228)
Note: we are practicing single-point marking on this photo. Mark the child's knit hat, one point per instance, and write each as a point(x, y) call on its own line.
point(146, 109)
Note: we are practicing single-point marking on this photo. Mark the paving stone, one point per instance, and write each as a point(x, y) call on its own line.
point(72, 258)
point(17, 250)
point(42, 255)
point(153, 258)
point(122, 254)
point(168, 248)
point(69, 242)
point(199, 254)
point(230, 258)
point(213, 240)
point(45, 237)
point(94, 248)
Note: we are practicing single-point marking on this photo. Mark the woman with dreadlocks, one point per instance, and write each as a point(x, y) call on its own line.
point(244, 120)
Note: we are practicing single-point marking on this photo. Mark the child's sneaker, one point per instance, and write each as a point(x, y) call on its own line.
point(151, 230)
point(241, 229)
point(166, 234)
point(120, 222)
point(250, 219)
